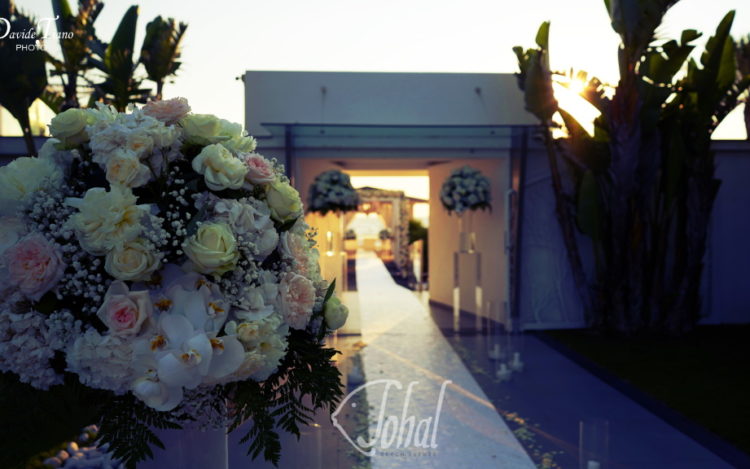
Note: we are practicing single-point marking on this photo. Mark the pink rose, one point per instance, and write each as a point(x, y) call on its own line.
point(34, 265)
point(296, 247)
point(124, 311)
point(168, 111)
point(297, 298)
point(259, 171)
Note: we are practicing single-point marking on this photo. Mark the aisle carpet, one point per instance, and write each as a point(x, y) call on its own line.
point(404, 347)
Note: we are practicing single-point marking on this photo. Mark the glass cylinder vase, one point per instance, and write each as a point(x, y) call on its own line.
point(189, 448)
point(467, 240)
point(593, 444)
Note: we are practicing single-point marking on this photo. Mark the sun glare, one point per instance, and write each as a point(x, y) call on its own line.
point(573, 103)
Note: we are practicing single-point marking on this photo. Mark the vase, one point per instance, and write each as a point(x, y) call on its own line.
point(467, 240)
point(189, 448)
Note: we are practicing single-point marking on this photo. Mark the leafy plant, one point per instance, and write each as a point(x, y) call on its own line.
point(23, 77)
point(161, 49)
point(642, 186)
point(115, 60)
point(74, 32)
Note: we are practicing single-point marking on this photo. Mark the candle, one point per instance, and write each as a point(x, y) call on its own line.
point(593, 464)
point(503, 374)
point(516, 364)
point(495, 352)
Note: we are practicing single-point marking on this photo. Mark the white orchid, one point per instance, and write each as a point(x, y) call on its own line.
point(185, 351)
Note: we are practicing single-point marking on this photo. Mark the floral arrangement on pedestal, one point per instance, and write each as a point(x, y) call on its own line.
point(466, 189)
point(154, 258)
point(332, 191)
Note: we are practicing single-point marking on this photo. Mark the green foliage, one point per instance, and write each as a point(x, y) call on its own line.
point(642, 187)
point(74, 33)
point(115, 60)
point(126, 424)
point(23, 77)
point(305, 382)
point(161, 49)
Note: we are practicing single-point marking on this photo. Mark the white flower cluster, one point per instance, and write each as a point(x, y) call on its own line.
point(466, 189)
point(332, 191)
point(153, 252)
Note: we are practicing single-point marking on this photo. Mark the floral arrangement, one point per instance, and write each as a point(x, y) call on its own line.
point(154, 258)
point(466, 189)
point(332, 191)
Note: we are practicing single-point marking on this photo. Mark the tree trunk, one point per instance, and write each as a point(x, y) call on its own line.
point(28, 137)
point(71, 92)
point(159, 89)
point(568, 231)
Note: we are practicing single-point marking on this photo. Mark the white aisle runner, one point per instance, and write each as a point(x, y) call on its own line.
point(403, 345)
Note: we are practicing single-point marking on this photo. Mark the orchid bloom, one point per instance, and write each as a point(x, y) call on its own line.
point(185, 351)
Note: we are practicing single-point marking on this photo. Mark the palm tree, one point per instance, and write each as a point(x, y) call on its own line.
point(643, 185)
point(120, 85)
point(23, 77)
point(161, 49)
point(74, 32)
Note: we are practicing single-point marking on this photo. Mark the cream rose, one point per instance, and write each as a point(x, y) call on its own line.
point(124, 311)
point(296, 300)
point(241, 144)
point(213, 249)
point(23, 177)
point(124, 168)
point(106, 219)
point(220, 169)
point(335, 313)
point(70, 127)
point(284, 201)
point(200, 129)
point(229, 130)
point(133, 261)
point(34, 265)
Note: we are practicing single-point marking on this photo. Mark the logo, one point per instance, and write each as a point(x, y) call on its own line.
point(37, 35)
point(393, 432)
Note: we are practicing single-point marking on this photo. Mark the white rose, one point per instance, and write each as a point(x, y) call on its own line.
point(70, 127)
point(335, 313)
point(23, 177)
point(213, 249)
point(106, 219)
point(124, 168)
point(220, 168)
point(244, 217)
point(284, 201)
point(132, 261)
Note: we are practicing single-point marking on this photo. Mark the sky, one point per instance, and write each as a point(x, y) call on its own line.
point(225, 38)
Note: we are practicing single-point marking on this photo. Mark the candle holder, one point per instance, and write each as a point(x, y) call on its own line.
point(516, 364)
point(503, 372)
point(498, 338)
point(593, 444)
